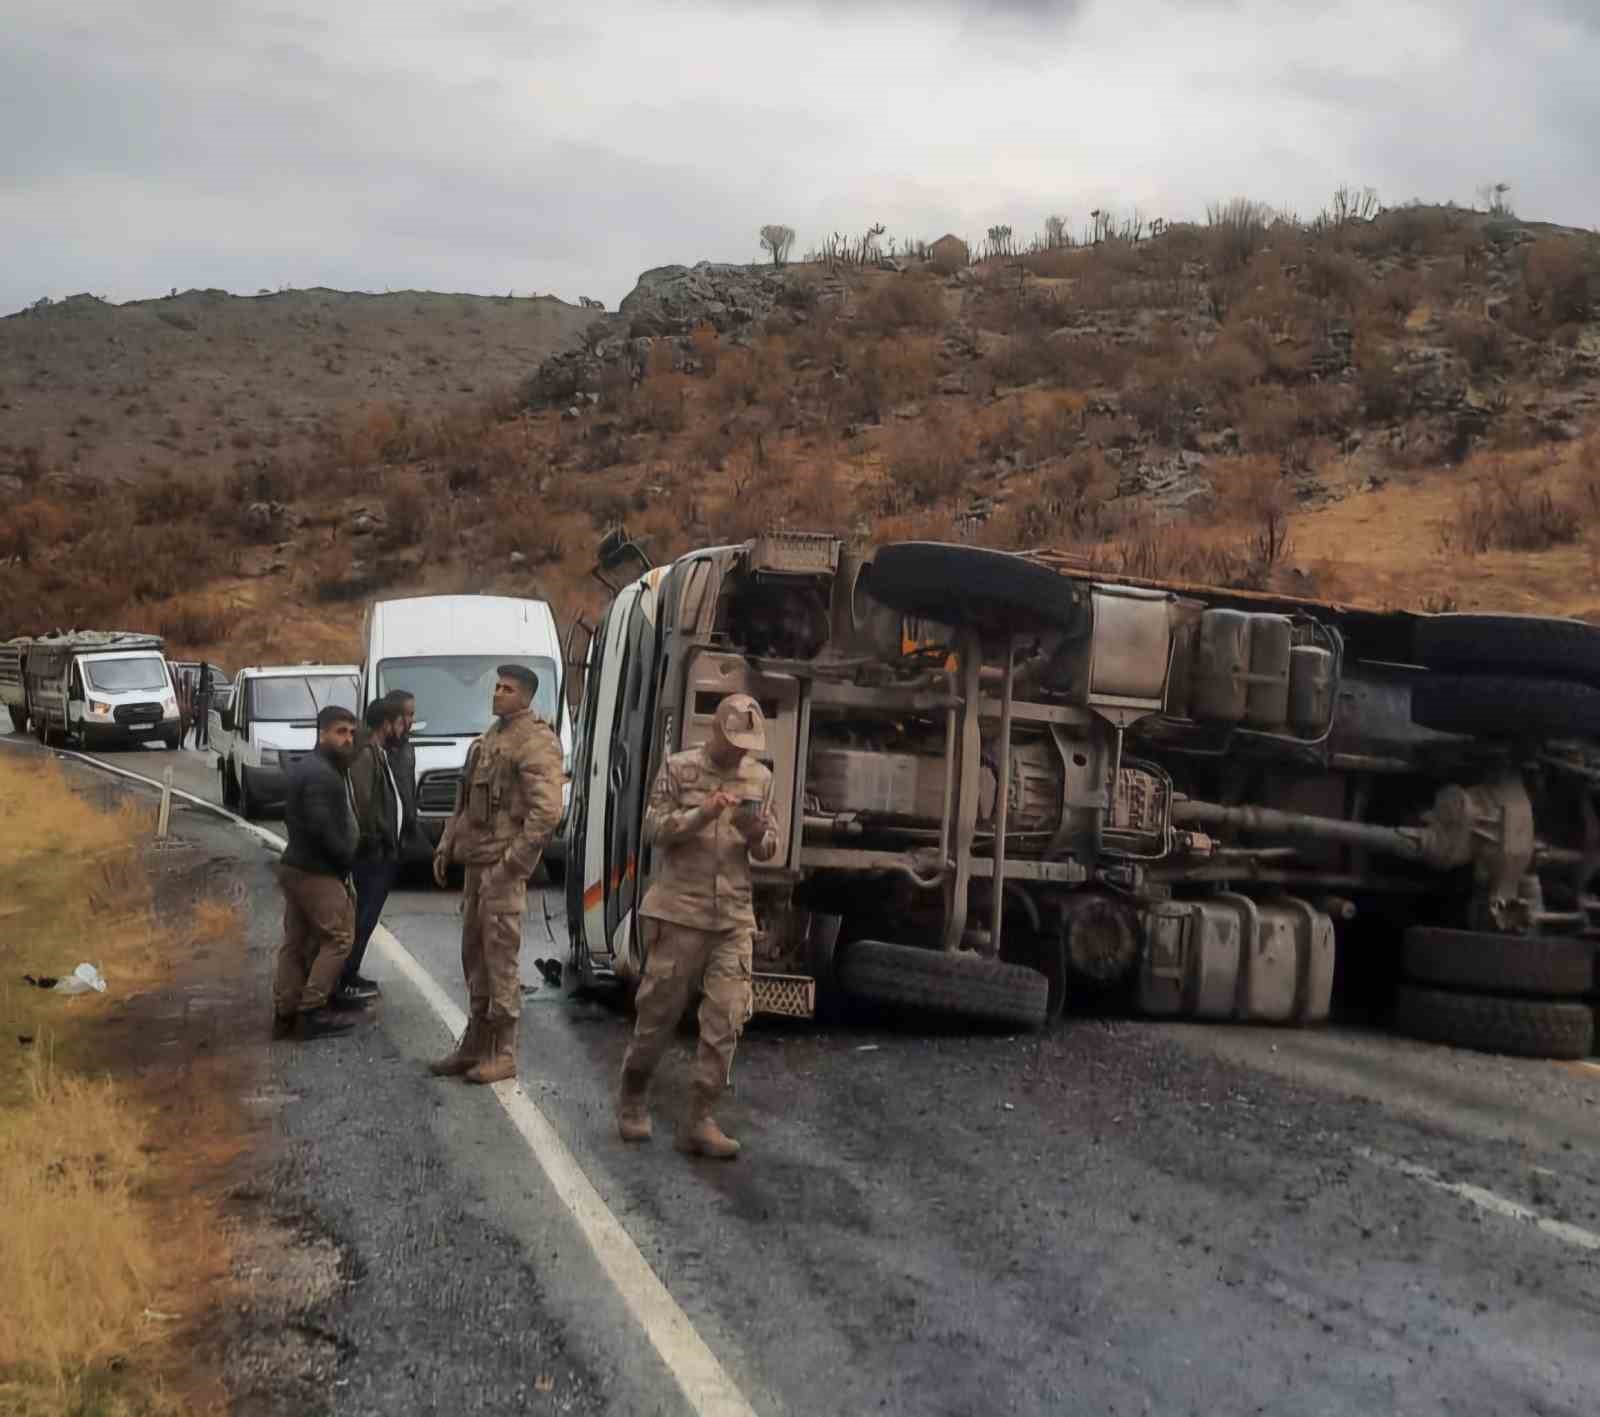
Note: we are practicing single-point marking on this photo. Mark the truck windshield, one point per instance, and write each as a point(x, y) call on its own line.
point(299, 697)
point(114, 676)
point(455, 691)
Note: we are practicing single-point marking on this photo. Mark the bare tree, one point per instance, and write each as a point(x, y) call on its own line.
point(1055, 231)
point(1496, 198)
point(776, 241)
point(1000, 240)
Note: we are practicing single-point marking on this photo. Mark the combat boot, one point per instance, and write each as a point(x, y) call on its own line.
point(499, 1062)
point(701, 1136)
point(468, 1052)
point(633, 1111)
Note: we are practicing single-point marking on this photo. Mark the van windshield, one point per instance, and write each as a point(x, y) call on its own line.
point(115, 676)
point(455, 691)
point(296, 697)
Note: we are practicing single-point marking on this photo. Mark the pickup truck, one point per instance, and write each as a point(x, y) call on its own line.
point(271, 723)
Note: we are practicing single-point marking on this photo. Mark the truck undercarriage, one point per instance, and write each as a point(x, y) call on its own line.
point(1004, 782)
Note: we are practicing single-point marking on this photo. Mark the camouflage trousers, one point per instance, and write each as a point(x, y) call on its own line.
point(491, 942)
point(678, 961)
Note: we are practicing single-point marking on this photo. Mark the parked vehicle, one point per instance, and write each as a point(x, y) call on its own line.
point(92, 688)
point(13, 686)
point(270, 724)
point(1004, 779)
point(221, 684)
point(444, 649)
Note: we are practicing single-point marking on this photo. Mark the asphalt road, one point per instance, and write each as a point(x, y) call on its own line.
point(1114, 1218)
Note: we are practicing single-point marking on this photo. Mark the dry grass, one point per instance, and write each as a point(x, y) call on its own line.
point(105, 1262)
point(1509, 511)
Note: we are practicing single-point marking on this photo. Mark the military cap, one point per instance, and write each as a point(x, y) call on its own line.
point(742, 723)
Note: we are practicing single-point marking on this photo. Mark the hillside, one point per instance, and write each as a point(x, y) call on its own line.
point(206, 381)
point(1398, 411)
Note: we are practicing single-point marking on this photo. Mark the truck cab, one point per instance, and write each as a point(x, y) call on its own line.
point(269, 724)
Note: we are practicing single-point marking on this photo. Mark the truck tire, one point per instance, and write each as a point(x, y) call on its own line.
point(249, 808)
point(1509, 644)
point(1537, 966)
point(1492, 1023)
point(1497, 707)
point(933, 982)
point(230, 789)
point(968, 585)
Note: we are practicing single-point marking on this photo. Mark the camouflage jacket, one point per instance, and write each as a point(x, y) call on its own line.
point(509, 798)
point(701, 873)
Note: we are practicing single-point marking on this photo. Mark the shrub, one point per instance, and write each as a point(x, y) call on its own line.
point(406, 510)
point(904, 302)
point(1484, 345)
point(1501, 512)
point(928, 467)
point(1237, 230)
point(1561, 280)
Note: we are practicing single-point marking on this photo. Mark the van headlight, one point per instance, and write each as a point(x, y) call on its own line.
point(95, 709)
point(169, 706)
point(269, 757)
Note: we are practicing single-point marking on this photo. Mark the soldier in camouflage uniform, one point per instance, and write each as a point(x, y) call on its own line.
point(507, 805)
point(710, 812)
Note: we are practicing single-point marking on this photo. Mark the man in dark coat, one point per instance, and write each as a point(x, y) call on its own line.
point(202, 706)
point(318, 904)
point(414, 844)
point(380, 811)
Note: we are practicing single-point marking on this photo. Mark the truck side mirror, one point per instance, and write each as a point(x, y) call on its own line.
point(225, 716)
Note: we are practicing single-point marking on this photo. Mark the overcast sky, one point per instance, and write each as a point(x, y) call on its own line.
point(537, 145)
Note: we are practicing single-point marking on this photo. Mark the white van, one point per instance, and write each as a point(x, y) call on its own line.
point(269, 724)
point(445, 649)
point(99, 689)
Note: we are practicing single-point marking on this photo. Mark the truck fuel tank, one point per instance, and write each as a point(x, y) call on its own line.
point(1230, 957)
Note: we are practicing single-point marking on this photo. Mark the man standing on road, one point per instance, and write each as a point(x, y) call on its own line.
point(318, 905)
point(403, 763)
point(379, 812)
point(710, 811)
point(202, 706)
point(507, 805)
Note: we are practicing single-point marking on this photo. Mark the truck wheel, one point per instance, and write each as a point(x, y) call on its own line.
point(1492, 1023)
point(1537, 966)
point(968, 585)
point(1047, 955)
point(230, 790)
point(1509, 644)
point(963, 986)
point(1494, 707)
point(248, 807)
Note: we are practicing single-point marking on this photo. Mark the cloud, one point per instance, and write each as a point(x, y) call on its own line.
point(567, 146)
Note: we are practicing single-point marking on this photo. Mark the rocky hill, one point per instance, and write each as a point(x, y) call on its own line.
point(205, 381)
point(1400, 410)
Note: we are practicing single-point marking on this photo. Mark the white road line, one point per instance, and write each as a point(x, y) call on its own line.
point(704, 1382)
point(1495, 1204)
point(1595, 1066)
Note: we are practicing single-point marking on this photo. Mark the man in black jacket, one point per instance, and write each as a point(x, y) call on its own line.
point(414, 844)
point(379, 814)
point(319, 906)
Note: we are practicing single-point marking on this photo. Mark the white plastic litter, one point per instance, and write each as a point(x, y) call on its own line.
point(84, 978)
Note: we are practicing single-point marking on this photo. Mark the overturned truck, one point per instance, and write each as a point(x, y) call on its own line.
point(1004, 782)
